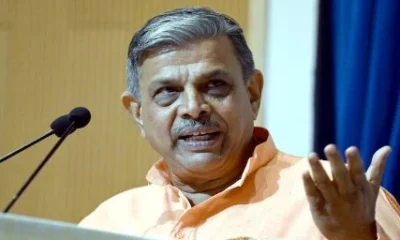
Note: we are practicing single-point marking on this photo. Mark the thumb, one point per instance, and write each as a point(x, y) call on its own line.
point(377, 167)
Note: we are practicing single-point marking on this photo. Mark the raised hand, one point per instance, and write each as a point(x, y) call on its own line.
point(343, 207)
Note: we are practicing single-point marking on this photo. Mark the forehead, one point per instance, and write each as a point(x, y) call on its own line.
point(192, 59)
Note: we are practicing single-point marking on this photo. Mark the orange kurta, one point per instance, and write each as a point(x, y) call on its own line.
point(268, 201)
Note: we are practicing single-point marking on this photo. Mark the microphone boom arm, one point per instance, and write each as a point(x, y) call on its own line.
point(22, 148)
point(70, 129)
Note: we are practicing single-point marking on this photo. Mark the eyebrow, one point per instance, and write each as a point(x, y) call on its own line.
point(216, 73)
point(168, 80)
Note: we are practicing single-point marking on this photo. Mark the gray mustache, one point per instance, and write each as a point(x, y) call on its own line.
point(185, 124)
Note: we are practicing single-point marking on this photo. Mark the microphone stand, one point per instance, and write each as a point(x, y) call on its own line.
point(70, 129)
point(22, 148)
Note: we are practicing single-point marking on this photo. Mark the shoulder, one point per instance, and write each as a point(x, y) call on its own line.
point(292, 167)
point(119, 207)
point(387, 214)
point(301, 164)
point(289, 162)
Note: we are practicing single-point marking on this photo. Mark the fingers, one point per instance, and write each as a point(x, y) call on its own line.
point(321, 179)
point(311, 189)
point(340, 173)
point(356, 167)
point(345, 180)
point(313, 195)
point(376, 169)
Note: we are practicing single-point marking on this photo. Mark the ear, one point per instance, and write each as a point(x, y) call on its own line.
point(254, 88)
point(134, 108)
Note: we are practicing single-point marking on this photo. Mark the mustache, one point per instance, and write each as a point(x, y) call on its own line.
point(186, 124)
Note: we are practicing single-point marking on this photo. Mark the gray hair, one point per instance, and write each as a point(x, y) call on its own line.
point(177, 27)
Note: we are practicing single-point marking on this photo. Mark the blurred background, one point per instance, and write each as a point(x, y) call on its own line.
point(332, 74)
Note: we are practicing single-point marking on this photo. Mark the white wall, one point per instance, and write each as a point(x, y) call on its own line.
point(289, 69)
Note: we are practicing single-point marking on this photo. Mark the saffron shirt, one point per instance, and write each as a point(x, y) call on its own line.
point(268, 201)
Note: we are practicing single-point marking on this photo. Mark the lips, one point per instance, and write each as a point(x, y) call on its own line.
point(200, 136)
point(199, 139)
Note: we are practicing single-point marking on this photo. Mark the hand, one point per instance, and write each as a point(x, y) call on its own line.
point(344, 207)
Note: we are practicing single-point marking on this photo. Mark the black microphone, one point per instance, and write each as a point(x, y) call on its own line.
point(81, 116)
point(58, 127)
point(77, 118)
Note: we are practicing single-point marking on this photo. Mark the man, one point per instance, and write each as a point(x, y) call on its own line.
point(194, 93)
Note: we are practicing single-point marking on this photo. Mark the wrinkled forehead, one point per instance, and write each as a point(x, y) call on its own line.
point(191, 60)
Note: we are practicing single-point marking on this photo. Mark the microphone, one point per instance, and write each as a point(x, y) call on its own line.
point(58, 127)
point(78, 118)
point(81, 116)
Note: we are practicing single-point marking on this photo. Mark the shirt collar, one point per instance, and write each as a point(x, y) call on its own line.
point(263, 153)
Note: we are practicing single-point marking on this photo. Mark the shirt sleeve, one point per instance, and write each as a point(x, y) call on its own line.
point(387, 216)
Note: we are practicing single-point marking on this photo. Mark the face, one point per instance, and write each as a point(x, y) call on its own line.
point(196, 109)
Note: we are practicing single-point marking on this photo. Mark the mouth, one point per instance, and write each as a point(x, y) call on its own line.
point(199, 136)
point(200, 141)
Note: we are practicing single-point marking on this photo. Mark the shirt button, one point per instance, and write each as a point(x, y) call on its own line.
point(179, 235)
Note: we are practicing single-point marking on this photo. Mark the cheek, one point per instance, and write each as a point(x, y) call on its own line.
point(236, 111)
point(157, 125)
point(238, 117)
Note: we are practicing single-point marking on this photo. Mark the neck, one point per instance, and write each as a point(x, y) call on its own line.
point(199, 190)
point(216, 186)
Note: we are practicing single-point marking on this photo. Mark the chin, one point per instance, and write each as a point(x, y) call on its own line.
point(202, 161)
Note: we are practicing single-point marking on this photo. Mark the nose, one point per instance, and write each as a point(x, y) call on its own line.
point(193, 105)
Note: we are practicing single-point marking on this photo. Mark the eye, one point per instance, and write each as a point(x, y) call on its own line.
point(216, 83)
point(166, 95)
point(218, 88)
point(166, 90)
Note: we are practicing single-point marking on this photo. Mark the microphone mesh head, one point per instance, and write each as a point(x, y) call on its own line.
point(60, 125)
point(81, 116)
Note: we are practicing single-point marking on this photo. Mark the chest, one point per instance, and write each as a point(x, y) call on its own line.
point(284, 215)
